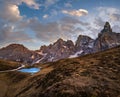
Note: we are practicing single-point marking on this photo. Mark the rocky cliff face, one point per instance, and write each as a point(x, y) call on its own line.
point(106, 39)
point(59, 50)
point(18, 52)
point(84, 44)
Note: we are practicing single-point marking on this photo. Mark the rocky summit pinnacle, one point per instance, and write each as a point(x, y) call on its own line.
point(106, 39)
point(107, 27)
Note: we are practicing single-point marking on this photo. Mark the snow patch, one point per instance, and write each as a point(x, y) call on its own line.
point(41, 53)
point(112, 44)
point(38, 61)
point(76, 54)
point(32, 57)
point(51, 59)
point(90, 45)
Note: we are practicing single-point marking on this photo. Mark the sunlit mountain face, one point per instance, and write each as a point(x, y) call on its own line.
point(37, 22)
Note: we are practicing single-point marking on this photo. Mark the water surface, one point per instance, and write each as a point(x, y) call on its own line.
point(30, 70)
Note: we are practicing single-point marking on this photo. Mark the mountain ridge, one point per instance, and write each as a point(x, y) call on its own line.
point(65, 49)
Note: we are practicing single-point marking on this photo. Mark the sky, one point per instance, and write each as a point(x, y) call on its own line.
point(34, 23)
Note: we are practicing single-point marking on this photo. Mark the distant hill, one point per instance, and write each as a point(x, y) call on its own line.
point(19, 53)
point(92, 75)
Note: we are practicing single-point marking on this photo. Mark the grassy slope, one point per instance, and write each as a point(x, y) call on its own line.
point(95, 75)
point(8, 65)
point(8, 79)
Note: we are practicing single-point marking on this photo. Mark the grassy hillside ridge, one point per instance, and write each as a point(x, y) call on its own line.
point(93, 75)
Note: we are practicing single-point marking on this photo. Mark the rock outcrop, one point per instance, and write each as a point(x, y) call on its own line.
point(106, 39)
point(84, 44)
point(59, 50)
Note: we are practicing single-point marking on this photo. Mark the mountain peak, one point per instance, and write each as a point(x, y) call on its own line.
point(107, 27)
point(106, 39)
point(107, 23)
point(60, 40)
point(83, 39)
point(18, 52)
point(16, 45)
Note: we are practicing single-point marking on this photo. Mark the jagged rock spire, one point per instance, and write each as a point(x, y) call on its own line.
point(107, 27)
point(106, 39)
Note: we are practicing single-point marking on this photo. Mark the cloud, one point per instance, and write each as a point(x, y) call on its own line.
point(9, 12)
point(64, 28)
point(31, 3)
point(45, 16)
point(45, 32)
point(7, 34)
point(116, 28)
point(99, 22)
point(69, 25)
point(115, 17)
point(72, 21)
point(68, 4)
point(109, 14)
point(78, 13)
point(9, 19)
point(50, 2)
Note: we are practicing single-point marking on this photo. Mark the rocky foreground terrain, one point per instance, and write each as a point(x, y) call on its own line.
point(93, 75)
point(63, 49)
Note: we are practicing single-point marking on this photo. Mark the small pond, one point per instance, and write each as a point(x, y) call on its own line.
point(30, 70)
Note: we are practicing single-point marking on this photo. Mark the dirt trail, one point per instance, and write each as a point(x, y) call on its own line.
point(13, 69)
